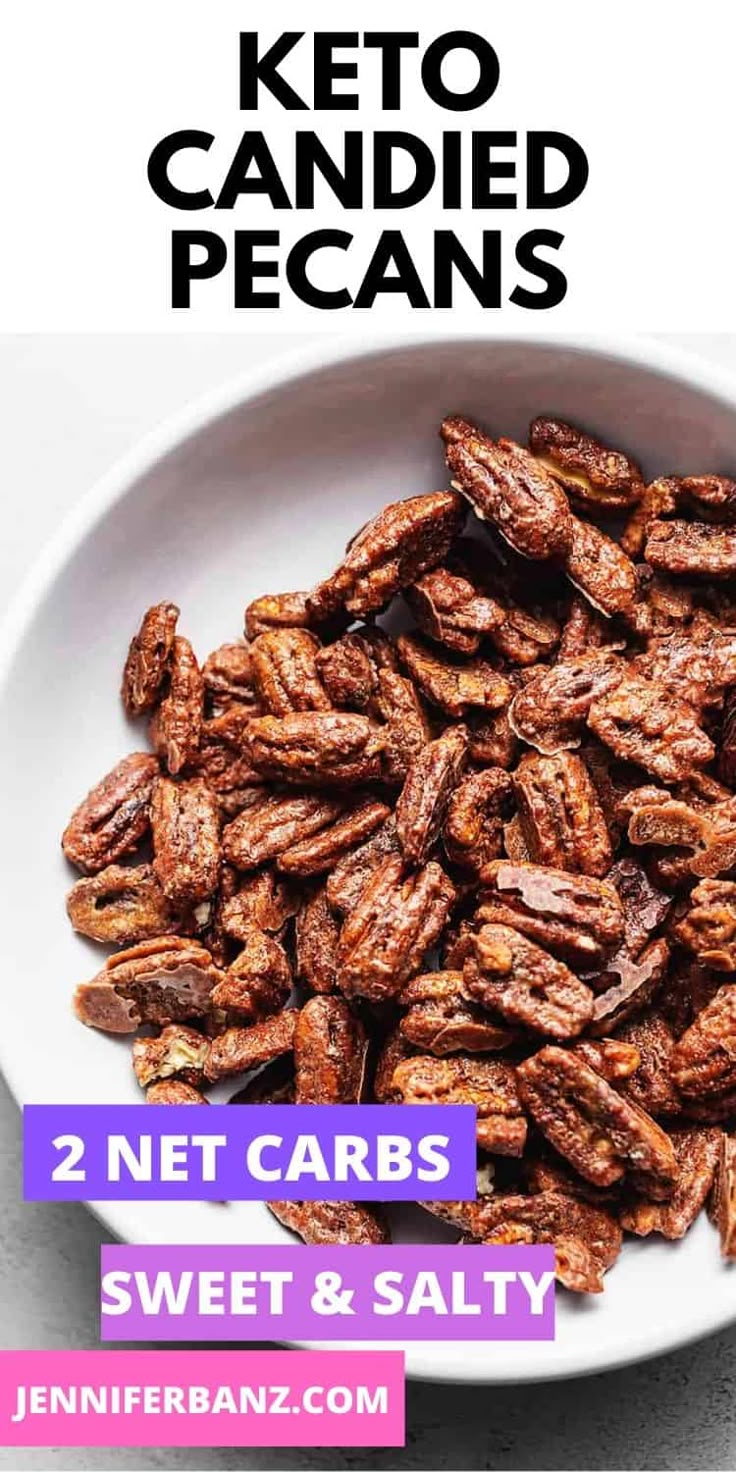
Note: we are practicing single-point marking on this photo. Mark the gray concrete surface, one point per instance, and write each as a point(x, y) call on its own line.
point(70, 405)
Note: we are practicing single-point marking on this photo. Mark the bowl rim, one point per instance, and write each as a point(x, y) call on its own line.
point(284, 369)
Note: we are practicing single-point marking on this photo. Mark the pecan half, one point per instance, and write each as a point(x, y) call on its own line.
point(506, 486)
point(148, 658)
point(704, 1058)
point(120, 905)
point(178, 1052)
point(264, 900)
point(228, 677)
point(317, 934)
point(515, 979)
point(285, 674)
point(602, 1135)
point(441, 1018)
point(651, 1086)
point(176, 726)
point(321, 851)
point(259, 980)
point(587, 1241)
point(325, 1223)
point(455, 687)
point(430, 783)
point(659, 499)
point(269, 828)
point(550, 711)
point(330, 1053)
point(392, 551)
point(696, 1152)
point(114, 816)
point(316, 748)
point(239, 1049)
point(723, 1208)
point(406, 730)
point(348, 672)
point(600, 570)
point(473, 830)
point(449, 609)
point(276, 611)
point(561, 818)
point(641, 722)
point(708, 929)
point(487, 1083)
point(591, 473)
point(577, 918)
point(350, 875)
point(164, 980)
point(395, 922)
point(185, 821)
point(691, 548)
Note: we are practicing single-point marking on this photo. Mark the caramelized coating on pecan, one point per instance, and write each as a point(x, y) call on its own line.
point(269, 828)
point(599, 478)
point(561, 818)
point(285, 674)
point(487, 1083)
point(577, 918)
point(550, 711)
point(277, 611)
point(600, 570)
point(603, 1135)
point(708, 928)
point(239, 1049)
point(263, 900)
point(316, 748)
point(651, 1085)
point(587, 1240)
point(178, 1052)
point(325, 1223)
point(406, 728)
point(322, 851)
point(696, 663)
point(148, 658)
point(392, 551)
point(394, 1049)
point(641, 722)
point(704, 1059)
point(691, 548)
point(430, 782)
point(637, 978)
point(176, 726)
point(317, 935)
point(508, 487)
point(456, 688)
point(259, 980)
point(515, 979)
point(114, 817)
point(350, 875)
point(727, 755)
point(348, 672)
point(185, 821)
point(120, 905)
point(169, 979)
point(228, 676)
point(659, 499)
point(448, 609)
point(697, 1152)
point(330, 1053)
point(442, 1019)
point(397, 919)
point(473, 828)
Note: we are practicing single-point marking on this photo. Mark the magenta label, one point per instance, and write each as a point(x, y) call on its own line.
point(327, 1293)
point(309, 1152)
point(201, 1398)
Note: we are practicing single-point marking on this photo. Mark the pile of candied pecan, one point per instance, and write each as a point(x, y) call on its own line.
point(533, 783)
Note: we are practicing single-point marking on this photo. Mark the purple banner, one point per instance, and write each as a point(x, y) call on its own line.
point(327, 1293)
point(308, 1152)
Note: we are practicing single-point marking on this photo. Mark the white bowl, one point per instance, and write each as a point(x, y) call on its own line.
point(256, 489)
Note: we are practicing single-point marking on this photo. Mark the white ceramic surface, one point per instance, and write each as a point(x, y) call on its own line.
point(255, 489)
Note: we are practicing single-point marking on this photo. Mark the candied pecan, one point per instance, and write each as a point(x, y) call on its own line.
point(174, 1091)
point(228, 676)
point(392, 550)
point(685, 991)
point(473, 830)
point(239, 1049)
point(638, 978)
point(591, 473)
point(586, 1239)
point(723, 1208)
point(651, 1085)
point(549, 712)
point(641, 722)
point(324, 1223)
point(687, 548)
point(120, 905)
point(455, 687)
point(114, 816)
point(321, 851)
point(221, 763)
point(164, 980)
point(397, 703)
point(276, 611)
point(316, 748)
point(269, 828)
point(603, 1135)
point(711, 496)
point(492, 743)
point(285, 675)
point(449, 609)
point(348, 672)
point(709, 927)
point(350, 875)
point(395, 922)
point(506, 485)
point(441, 1019)
point(430, 782)
point(148, 658)
point(600, 570)
point(696, 1152)
point(259, 980)
point(613, 780)
point(515, 845)
point(273, 1084)
point(727, 755)
point(645, 907)
point(514, 978)
point(578, 918)
point(264, 900)
point(584, 631)
point(178, 1052)
point(487, 1083)
point(561, 818)
point(659, 499)
point(393, 1051)
point(542, 1174)
point(704, 1059)
point(317, 933)
point(176, 725)
point(330, 1053)
point(613, 1059)
point(696, 664)
point(186, 839)
point(708, 833)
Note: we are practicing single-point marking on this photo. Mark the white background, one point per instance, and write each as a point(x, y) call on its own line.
point(70, 406)
point(87, 89)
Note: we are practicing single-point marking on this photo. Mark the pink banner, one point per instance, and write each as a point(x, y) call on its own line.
point(225, 1397)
